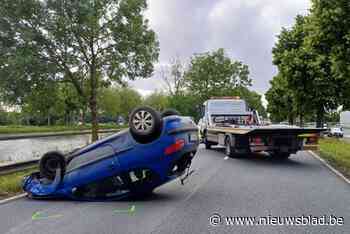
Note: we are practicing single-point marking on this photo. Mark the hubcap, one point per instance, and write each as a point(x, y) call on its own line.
point(143, 121)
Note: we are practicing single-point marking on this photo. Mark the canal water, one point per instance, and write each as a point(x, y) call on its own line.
point(26, 149)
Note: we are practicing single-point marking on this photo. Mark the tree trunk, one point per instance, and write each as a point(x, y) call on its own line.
point(301, 119)
point(48, 120)
point(319, 118)
point(291, 119)
point(82, 117)
point(93, 104)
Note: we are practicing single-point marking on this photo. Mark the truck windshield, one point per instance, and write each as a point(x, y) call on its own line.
point(228, 119)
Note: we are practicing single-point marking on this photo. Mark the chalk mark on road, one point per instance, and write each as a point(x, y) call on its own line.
point(41, 215)
point(130, 211)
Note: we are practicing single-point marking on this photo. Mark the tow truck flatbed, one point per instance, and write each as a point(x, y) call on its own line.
point(230, 123)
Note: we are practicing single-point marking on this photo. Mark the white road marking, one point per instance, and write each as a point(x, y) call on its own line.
point(335, 171)
point(12, 198)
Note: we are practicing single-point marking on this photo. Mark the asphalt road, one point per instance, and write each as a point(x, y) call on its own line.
point(256, 186)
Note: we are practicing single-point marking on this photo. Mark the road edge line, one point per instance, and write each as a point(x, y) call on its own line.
point(335, 171)
point(7, 200)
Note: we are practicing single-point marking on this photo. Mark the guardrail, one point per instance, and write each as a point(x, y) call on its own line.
point(6, 137)
point(19, 166)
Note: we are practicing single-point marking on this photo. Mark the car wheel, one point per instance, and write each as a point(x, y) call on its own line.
point(145, 124)
point(170, 112)
point(50, 162)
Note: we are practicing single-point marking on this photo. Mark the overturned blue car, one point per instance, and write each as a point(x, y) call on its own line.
point(156, 149)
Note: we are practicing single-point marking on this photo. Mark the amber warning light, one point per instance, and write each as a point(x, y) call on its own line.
point(234, 98)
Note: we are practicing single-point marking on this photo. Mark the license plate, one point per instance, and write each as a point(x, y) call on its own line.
point(194, 137)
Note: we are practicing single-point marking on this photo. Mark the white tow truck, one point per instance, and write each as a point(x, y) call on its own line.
point(229, 122)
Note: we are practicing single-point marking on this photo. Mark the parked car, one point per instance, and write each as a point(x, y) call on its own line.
point(336, 132)
point(154, 150)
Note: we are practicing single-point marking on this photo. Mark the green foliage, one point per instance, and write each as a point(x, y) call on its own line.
point(186, 104)
point(118, 101)
point(85, 43)
point(215, 74)
point(314, 59)
point(11, 184)
point(54, 102)
point(209, 74)
point(157, 100)
point(280, 101)
point(3, 117)
point(337, 153)
point(330, 39)
point(293, 61)
point(252, 98)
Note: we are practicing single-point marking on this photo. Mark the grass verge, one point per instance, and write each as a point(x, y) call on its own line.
point(13, 129)
point(10, 184)
point(336, 153)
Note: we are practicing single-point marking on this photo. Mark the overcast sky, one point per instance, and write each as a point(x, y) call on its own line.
point(246, 29)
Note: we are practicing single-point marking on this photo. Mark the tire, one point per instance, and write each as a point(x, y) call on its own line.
point(228, 148)
point(145, 124)
point(207, 143)
point(207, 146)
point(50, 162)
point(169, 112)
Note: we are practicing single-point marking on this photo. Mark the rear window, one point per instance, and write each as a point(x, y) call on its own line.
point(90, 157)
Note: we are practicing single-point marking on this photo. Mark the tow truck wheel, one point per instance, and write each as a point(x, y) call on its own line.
point(207, 143)
point(228, 148)
point(145, 124)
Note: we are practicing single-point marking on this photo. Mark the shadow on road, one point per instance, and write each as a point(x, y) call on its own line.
point(155, 196)
point(265, 159)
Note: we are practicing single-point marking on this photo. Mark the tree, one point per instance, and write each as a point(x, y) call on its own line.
point(70, 106)
point(212, 74)
point(174, 77)
point(3, 116)
point(186, 104)
point(329, 38)
point(252, 98)
point(293, 60)
point(86, 43)
point(280, 99)
point(157, 100)
point(118, 101)
point(308, 73)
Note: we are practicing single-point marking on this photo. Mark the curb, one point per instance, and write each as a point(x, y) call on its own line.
point(7, 200)
point(335, 171)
